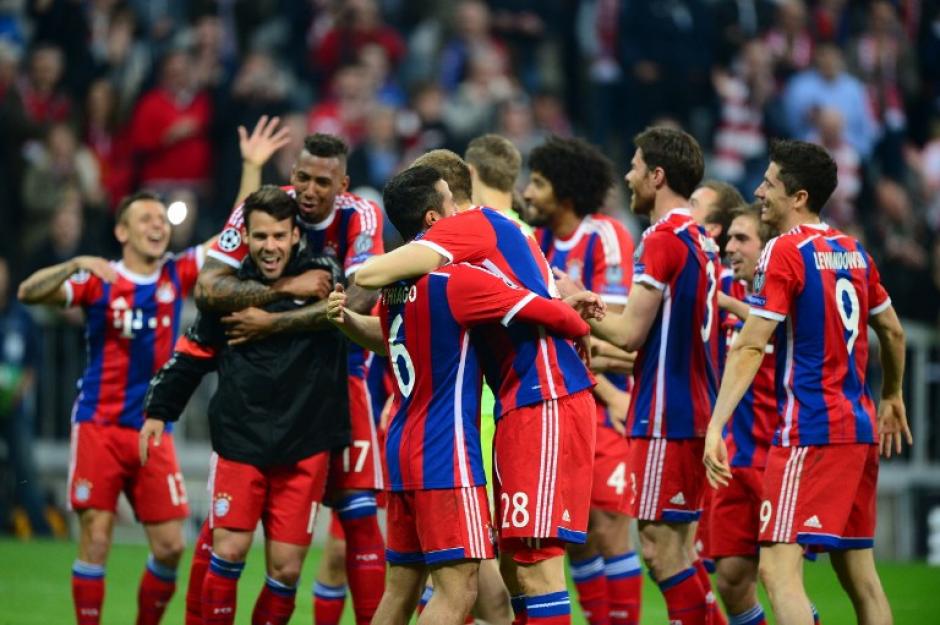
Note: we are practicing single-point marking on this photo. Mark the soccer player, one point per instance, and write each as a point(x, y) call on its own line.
point(735, 511)
point(712, 203)
point(543, 403)
point(438, 512)
point(133, 310)
point(568, 183)
point(819, 290)
point(670, 318)
point(271, 448)
point(348, 227)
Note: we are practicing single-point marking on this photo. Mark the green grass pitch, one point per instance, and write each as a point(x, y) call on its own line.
point(34, 589)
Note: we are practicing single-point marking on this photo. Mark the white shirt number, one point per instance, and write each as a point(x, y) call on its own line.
point(847, 303)
point(401, 362)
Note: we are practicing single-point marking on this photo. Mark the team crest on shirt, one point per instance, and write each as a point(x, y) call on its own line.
point(229, 240)
point(575, 269)
point(82, 490)
point(759, 280)
point(614, 274)
point(81, 277)
point(363, 243)
point(166, 293)
point(222, 504)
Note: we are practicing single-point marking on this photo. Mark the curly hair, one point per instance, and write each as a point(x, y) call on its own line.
point(577, 171)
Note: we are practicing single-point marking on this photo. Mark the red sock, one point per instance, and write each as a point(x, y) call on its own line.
point(220, 591)
point(328, 603)
point(553, 608)
point(624, 588)
point(87, 592)
point(685, 599)
point(589, 579)
point(275, 604)
point(715, 615)
point(365, 554)
point(202, 553)
point(816, 620)
point(156, 588)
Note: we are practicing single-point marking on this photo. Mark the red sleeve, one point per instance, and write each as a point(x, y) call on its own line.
point(364, 236)
point(466, 237)
point(188, 264)
point(613, 262)
point(477, 296)
point(82, 289)
point(878, 299)
point(777, 281)
point(661, 257)
point(230, 248)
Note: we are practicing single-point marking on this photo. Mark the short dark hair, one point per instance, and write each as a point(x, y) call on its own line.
point(272, 200)
point(753, 210)
point(577, 170)
point(452, 169)
point(326, 146)
point(497, 161)
point(120, 215)
point(808, 167)
point(726, 201)
point(408, 196)
point(677, 152)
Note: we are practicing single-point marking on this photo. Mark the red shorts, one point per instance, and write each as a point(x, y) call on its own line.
point(820, 496)
point(539, 454)
point(734, 515)
point(609, 491)
point(438, 526)
point(359, 466)
point(284, 498)
point(667, 479)
point(105, 460)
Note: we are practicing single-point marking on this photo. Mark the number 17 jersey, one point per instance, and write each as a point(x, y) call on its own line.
point(822, 286)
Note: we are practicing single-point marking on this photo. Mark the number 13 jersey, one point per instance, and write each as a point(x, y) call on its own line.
point(821, 285)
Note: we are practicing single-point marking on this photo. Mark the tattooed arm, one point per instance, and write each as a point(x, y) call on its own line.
point(46, 285)
point(219, 289)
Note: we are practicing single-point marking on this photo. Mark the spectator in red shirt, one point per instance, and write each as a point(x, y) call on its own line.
point(358, 23)
point(108, 140)
point(170, 129)
point(43, 99)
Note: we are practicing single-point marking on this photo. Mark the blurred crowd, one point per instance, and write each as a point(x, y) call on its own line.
point(102, 97)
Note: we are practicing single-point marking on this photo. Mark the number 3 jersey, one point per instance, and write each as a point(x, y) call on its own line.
point(822, 286)
point(675, 377)
point(130, 329)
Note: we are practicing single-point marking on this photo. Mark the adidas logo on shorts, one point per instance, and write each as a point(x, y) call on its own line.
point(678, 500)
point(566, 517)
point(813, 521)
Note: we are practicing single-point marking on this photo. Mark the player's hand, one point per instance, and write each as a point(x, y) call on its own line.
point(608, 358)
point(311, 284)
point(566, 284)
point(97, 266)
point(250, 324)
point(589, 305)
point(152, 428)
point(892, 426)
point(265, 139)
point(717, 469)
point(336, 305)
point(617, 408)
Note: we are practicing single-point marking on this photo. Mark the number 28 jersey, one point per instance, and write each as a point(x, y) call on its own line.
point(822, 286)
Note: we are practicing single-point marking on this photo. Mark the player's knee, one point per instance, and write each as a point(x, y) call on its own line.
point(733, 588)
point(286, 571)
point(96, 546)
point(336, 556)
point(168, 550)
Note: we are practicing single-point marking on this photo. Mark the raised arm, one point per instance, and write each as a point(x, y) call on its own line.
point(256, 149)
point(408, 261)
point(46, 286)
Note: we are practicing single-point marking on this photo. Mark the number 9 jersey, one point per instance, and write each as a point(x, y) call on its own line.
point(821, 285)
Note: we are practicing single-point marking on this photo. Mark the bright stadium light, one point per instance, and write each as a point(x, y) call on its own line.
point(176, 212)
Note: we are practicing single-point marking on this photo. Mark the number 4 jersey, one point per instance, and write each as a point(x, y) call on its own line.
point(822, 286)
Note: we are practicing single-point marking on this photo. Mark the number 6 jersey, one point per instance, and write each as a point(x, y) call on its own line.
point(821, 285)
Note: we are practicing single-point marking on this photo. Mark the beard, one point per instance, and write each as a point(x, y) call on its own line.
point(640, 204)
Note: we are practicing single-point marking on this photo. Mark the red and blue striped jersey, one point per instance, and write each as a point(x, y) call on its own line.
point(352, 233)
point(750, 432)
point(433, 438)
point(599, 254)
point(822, 286)
point(675, 376)
point(130, 330)
point(523, 364)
